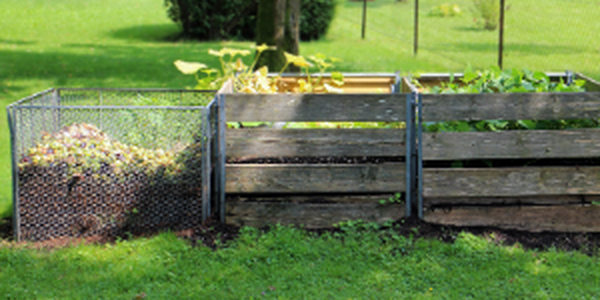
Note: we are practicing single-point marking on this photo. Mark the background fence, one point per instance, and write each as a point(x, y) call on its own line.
point(562, 32)
point(101, 161)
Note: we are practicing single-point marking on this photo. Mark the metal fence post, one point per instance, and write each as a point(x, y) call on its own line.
point(206, 158)
point(15, 190)
point(222, 125)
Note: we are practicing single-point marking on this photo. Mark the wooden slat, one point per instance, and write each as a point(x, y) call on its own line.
point(311, 215)
point(512, 144)
point(528, 218)
point(316, 198)
point(315, 107)
point(254, 143)
point(314, 178)
point(518, 200)
point(517, 106)
point(591, 85)
point(511, 181)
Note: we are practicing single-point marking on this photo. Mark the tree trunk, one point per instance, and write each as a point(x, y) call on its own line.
point(278, 24)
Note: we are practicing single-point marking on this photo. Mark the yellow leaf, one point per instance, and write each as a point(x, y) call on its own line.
point(189, 67)
point(263, 71)
point(239, 65)
point(264, 47)
point(298, 61)
point(333, 90)
point(216, 53)
point(234, 52)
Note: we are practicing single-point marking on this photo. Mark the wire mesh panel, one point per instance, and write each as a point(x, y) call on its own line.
point(107, 161)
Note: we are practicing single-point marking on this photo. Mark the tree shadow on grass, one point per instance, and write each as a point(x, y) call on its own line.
point(148, 33)
point(93, 65)
point(16, 42)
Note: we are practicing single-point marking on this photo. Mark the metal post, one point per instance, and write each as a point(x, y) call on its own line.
point(420, 155)
point(416, 28)
point(409, 153)
point(15, 174)
point(501, 36)
point(206, 163)
point(222, 125)
point(364, 18)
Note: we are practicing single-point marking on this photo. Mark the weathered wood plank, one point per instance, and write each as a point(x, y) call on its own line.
point(314, 178)
point(311, 215)
point(356, 198)
point(512, 144)
point(527, 218)
point(511, 181)
point(254, 143)
point(591, 85)
point(315, 107)
point(227, 88)
point(517, 106)
point(518, 200)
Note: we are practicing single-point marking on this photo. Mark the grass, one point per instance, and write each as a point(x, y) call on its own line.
point(287, 263)
point(71, 43)
point(75, 43)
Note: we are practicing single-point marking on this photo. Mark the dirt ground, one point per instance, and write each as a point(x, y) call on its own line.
point(213, 234)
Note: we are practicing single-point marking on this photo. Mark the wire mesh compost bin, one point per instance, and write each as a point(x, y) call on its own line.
point(108, 161)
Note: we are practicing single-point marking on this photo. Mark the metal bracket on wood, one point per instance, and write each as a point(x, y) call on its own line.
point(414, 154)
point(411, 188)
point(419, 158)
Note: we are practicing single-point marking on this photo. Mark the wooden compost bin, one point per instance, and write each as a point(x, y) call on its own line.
point(534, 198)
point(314, 195)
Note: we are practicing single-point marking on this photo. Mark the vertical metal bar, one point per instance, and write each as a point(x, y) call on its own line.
point(364, 19)
point(420, 154)
point(396, 88)
point(206, 163)
point(11, 113)
point(222, 125)
point(57, 112)
point(569, 77)
point(409, 151)
point(416, 28)
point(501, 36)
point(100, 111)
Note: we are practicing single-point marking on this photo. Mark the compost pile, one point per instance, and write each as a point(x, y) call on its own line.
point(82, 147)
point(80, 182)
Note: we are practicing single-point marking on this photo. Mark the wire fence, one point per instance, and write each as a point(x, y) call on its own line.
point(106, 161)
point(560, 33)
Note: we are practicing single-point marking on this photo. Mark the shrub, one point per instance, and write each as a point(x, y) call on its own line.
point(489, 12)
point(315, 17)
point(236, 19)
point(214, 19)
point(445, 10)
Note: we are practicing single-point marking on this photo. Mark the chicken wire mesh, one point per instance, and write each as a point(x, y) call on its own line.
point(107, 161)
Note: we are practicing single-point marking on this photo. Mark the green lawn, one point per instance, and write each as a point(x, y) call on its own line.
point(290, 264)
point(115, 43)
point(73, 43)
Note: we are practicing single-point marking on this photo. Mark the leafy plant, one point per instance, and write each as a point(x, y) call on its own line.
point(495, 80)
point(246, 80)
point(445, 10)
point(488, 11)
point(396, 198)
